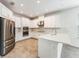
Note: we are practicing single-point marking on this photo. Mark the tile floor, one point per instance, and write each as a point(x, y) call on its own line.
point(24, 49)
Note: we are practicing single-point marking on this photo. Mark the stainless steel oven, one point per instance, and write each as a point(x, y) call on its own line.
point(25, 31)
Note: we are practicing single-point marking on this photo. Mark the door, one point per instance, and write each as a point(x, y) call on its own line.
point(7, 29)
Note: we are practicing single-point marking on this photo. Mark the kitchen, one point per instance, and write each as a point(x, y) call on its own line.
point(43, 29)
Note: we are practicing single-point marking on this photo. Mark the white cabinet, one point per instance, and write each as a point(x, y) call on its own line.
point(10, 14)
point(21, 21)
point(54, 49)
point(47, 48)
point(18, 21)
point(33, 23)
point(44, 48)
point(49, 22)
point(25, 22)
point(5, 12)
point(52, 21)
point(0, 9)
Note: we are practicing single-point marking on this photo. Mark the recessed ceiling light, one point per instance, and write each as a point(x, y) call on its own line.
point(21, 5)
point(38, 1)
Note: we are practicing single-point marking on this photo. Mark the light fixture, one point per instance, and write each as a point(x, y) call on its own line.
point(21, 5)
point(38, 1)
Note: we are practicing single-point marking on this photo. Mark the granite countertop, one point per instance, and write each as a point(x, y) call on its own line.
point(60, 37)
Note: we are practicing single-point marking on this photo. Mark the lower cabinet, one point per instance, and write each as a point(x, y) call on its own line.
point(47, 48)
point(52, 49)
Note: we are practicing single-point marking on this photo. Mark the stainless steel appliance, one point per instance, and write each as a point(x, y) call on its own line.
point(7, 36)
point(25, 31)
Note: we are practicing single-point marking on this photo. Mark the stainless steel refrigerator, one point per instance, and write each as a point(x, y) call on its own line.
point(7, 36)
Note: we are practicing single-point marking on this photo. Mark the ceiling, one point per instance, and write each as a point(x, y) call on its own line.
point(33, 8)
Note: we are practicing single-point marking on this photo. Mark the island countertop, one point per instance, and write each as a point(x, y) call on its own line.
point(59, 37)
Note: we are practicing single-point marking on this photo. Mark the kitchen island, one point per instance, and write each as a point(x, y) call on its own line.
point(49, 44)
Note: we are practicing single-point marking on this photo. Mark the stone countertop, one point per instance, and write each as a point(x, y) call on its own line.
point(59, 37)
point(50, 35)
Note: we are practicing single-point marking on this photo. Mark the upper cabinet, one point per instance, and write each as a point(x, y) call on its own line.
point(25, 22)
point(21, 21)
point(18, 21)
point(49, 22)
point(52, 21)
point(5, 12)
point(33, 23)
point(0, 9)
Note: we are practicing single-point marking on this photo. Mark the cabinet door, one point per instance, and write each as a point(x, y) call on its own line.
point(52, 21)
point(53, 49)
point(10, 14)
point(18, 21)
point(49, 22)
point(34, 23)
point(0, 9)
point(4, 12)
point(25, 22)
point(44, 48)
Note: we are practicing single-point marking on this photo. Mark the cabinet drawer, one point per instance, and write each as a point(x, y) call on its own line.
point(8, 42)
